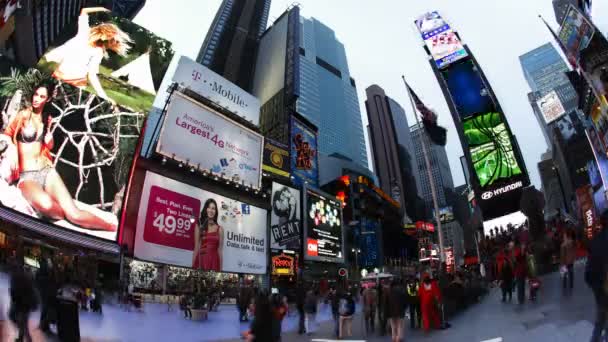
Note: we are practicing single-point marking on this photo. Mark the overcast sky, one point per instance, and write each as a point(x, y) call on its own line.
point(382, 44)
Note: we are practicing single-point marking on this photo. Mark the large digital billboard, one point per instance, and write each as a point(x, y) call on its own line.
point(111, 57)
point(7, 8)
point(575, 32)
point(304, 158)
point(324, 233)
point(285, 218)
point(551, 107)
point(491, 149)
point(467, 89)
point(223, 146)
point(443, 43)
point(65, 153)
point(183, 225)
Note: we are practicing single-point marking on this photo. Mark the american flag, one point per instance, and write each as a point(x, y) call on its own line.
point(437, 133)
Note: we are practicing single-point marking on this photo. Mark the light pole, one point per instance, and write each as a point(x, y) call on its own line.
point(356, 251)
point(423, 142)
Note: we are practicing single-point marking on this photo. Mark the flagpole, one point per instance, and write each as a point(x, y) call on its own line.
point(423, 142)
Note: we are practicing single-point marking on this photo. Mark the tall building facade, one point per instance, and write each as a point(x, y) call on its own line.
point(544, 70)
point(231, 43)
point(440, 168)
point(551, 185)
point(392, 149)
point(301, 67)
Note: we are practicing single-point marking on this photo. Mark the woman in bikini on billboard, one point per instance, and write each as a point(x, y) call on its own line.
point(39, 182)
point(80, 57)
point(208, 239)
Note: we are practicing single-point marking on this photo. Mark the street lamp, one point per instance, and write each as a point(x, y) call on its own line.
point(356, 251)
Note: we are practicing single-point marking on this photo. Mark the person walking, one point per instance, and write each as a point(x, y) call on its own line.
point(397, 306)
point(262, 324)
point(370, 304)
point(300, 299)
point(414, 302)
point(47, 288)
point(520, 272)
point(335, 297)
point(310, 310)
point(506, 278)
point(430, 302)
point(596, 277)
point(384, 310)
point(279, 310)
point(567, 259)
point(23, 301)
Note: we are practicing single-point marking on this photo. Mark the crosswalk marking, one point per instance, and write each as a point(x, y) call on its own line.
point(497, 339)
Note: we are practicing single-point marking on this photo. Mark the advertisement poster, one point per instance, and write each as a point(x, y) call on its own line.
point(445, 47)
point(182, 225)
point(368, 241)
point(283, 265)
point(285, 219)
point(111, 57)
point(467, 89)
point(73, 150)
point(7, 9)
point(551, 107)
point(276, 158)
point(304, 159)
point(491, 149)
point(431, 23)
point(223, 146)
point(449, 259)
point(324, 232)
point(214, 87)
point(587, 209)
point(594, 61)
point(575, 32)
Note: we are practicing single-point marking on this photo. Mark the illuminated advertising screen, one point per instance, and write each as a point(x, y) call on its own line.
point(276, 158)
point(7, 9)
point(323, 230)
point(285, 218)
point(223, 147)
point(111, 57)
point(179, 224)
point(491, 149)
point(66, 153)
point(430, 23)
point(445, 47)
point(304, 159)
point(575, 32)
point(467, 89)
point(551, 107)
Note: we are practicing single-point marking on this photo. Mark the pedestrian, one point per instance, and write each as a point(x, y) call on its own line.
point(310, 310)
point(384, 311)
point(414, 302)
point(185, 306)
point(300, 299)
point(397, 308)
point(520, 271)
point(243, 301)
point(506, 278)
point(567, 258)
point(346, 311)
point(430, 302)
point(596, 276)
point(47, 288)
point(279, 310)
point(335, 297)
point(262, 324)
point(23, 301)
point(370, 304)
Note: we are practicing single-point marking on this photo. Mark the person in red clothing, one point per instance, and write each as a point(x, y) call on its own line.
point(430, 299)
point(521, 271)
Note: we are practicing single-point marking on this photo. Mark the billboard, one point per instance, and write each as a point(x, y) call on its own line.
point(445, 47)
point(467, 89)
point(66, 153)
point(575, 32)
point(587, 209)
point(491, 149)
point(323, 233)
point(111, 57)
point(304, 158)
point(551, 107)
point(214, 87)
point(283, 265)
point(276, 158)
point(429, 23)
point(285, 218)
point(594, 61)
point(182, 225)
point(223, 146)
point(446, 214)
point(7, 9)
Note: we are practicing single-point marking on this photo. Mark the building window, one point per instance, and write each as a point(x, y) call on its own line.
point(329, 67)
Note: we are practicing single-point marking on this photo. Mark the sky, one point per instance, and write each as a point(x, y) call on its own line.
point(382, 44)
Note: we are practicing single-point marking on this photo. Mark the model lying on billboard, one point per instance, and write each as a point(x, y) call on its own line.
point(79, 58)
point(208, 239)
point(30, 131)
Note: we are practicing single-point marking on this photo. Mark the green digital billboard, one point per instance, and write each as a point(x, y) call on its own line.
point(491, 148)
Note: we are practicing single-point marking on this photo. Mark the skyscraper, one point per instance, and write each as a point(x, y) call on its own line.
point(392, 148)
point(230, 45)
point(302, 67)
point(440, 168)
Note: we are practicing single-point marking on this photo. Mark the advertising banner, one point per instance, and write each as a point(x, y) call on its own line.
point(304, 159)
point(587, 209)
point(369, 243)
point(576, 32)
point(445, 47)
point(551, 107)
point(283, 265)
point(7, 8)
point(324, 233)
point(214, 87)
point(430, 23)
point(65, 154)
point(276, 158)
point(182, 225)
point(285, 219)
point(467, 89)
point(449, 259)
point(491, 149)
point(222, 146)
point(594, 61)
point(125, 65)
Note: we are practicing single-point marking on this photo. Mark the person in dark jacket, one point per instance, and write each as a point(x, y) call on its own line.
point(506, 278)
point(300, 297)
point(396, 310)
point(335, 296)
point(596, 273)
point(346, 310)
point(23, 301)
point(414, 303)
point(261, 327)
point(47, 288)
point(520, 272)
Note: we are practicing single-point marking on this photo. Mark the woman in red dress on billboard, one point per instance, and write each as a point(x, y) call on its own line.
point(41, 185)
point(208, 239)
